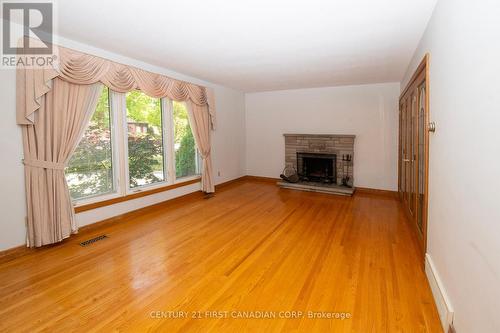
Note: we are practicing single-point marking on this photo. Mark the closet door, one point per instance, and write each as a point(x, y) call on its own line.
point(408, 154)
point(404, 158)
point(413, 129)
point(402, 153)
point(413, 150)
point(409, 159)
point(422, 153)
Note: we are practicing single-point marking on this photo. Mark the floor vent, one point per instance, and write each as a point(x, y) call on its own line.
point(93, 240)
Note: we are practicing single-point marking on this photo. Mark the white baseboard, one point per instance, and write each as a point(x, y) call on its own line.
point(445, 310)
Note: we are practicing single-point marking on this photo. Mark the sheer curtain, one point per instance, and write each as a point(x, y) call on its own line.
point(199, 120)
point(49, 142)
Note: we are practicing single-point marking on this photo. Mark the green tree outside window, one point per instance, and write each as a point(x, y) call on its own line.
point(184, 145)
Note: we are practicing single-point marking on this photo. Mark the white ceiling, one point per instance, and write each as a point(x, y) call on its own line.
point(257, 45)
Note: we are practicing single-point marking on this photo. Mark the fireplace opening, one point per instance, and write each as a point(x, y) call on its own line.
point(317, 167)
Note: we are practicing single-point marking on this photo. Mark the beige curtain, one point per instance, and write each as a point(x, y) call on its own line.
point(58, 125)
point(199, 120)
point(211, 107)
point(54, 106)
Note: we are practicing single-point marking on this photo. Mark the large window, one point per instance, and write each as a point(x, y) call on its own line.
point(145, 139)
point(90, 170)
point(133, 143)
point(186, 159)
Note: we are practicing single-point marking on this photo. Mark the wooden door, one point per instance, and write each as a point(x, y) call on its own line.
point(422, 151)
point(402, 155)
point(412, 156)
point(402, 151)
point(413, 150)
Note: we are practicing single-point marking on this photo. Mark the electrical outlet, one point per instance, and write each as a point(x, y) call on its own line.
point(218, 173)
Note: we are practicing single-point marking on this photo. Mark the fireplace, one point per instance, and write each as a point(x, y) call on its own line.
point(319, 163)
point(316, 167)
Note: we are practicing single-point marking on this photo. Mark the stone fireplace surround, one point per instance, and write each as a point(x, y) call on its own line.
point(339, 144)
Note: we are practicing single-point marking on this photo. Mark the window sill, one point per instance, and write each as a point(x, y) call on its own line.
point(135, 195)
point(187, 178)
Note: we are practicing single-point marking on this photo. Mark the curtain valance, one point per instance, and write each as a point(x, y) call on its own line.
point(80, 68)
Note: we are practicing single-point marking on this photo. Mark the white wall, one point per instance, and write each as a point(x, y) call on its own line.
point(228, 150)
point(464, 186)
point(12, 202)
point(368, 111)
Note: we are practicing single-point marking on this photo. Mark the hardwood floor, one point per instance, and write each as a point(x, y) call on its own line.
point(252, 247)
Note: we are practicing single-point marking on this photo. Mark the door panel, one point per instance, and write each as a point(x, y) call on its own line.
point(403, 151)
point(407, 159)
point(413, 155)
point(421, 158)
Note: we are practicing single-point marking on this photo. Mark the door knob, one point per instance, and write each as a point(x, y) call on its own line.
point(432, 127)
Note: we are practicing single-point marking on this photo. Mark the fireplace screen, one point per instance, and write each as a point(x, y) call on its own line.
point(317, 167)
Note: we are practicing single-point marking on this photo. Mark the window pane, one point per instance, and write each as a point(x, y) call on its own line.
point(90, 169)
point(145, 139)
point(186, 159)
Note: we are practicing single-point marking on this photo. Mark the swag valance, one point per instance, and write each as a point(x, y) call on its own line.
point(81, 68)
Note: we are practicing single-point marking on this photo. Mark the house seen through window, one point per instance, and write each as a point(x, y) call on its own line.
point(145, 139)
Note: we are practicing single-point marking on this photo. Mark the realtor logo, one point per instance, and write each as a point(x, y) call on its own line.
point(27, 33)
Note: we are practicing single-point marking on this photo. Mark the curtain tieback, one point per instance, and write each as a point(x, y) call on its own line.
point(205, 156)
point(44, 164)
